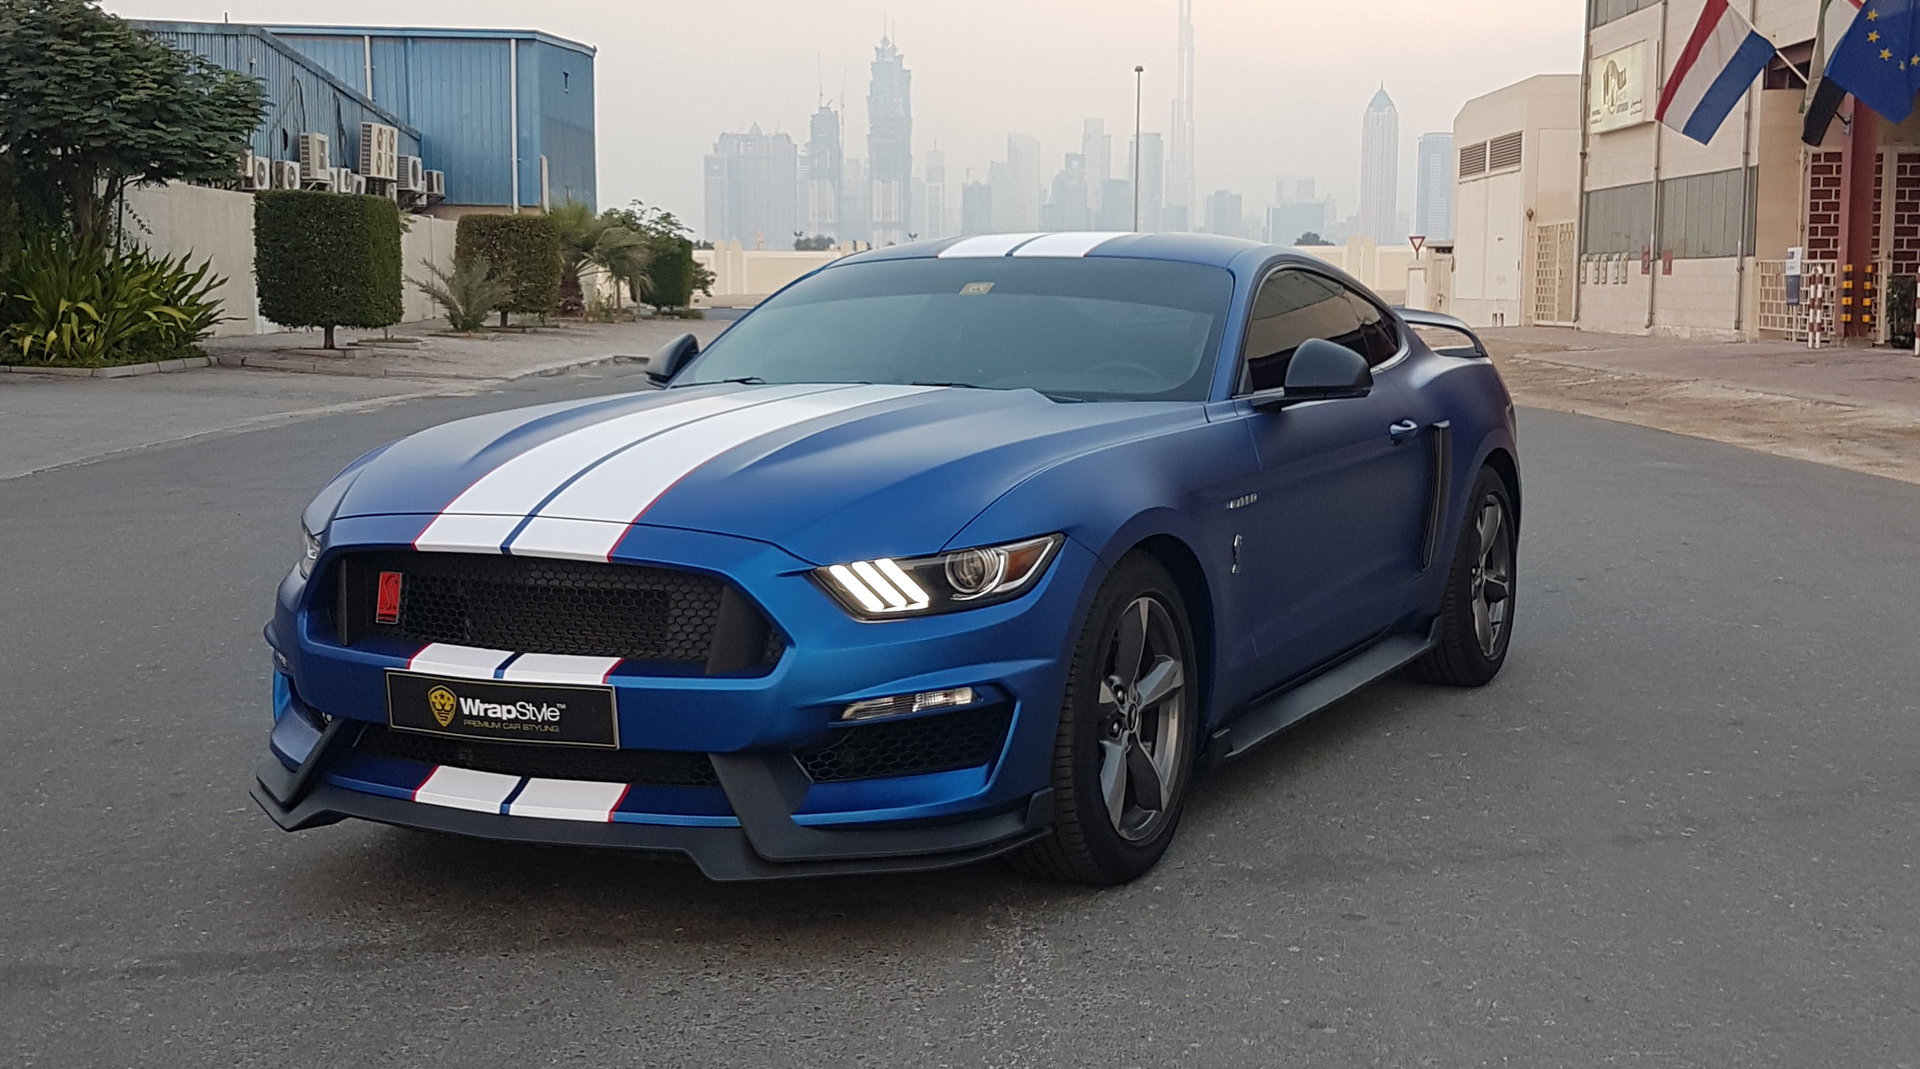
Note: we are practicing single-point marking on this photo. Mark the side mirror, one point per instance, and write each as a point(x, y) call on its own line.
point(1320, 370)
point(672, 357)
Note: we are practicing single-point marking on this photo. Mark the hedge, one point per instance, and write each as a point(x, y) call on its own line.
point(672, 272)
point(525, 253)
point(327, 260)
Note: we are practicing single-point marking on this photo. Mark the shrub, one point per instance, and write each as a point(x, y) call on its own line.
point(673, 272)
point(327, 260)
point(466, 294)
point(525, 253)
point(76, 304)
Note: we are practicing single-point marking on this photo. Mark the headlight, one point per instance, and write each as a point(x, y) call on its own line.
point(962, 579)
point(310, 543)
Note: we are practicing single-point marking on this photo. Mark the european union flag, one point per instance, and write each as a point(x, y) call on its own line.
point(1878, 61)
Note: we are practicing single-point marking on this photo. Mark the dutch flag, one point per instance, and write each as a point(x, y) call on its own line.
point(1719, 63)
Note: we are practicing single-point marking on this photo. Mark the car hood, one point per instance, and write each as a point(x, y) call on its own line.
point(825, 472)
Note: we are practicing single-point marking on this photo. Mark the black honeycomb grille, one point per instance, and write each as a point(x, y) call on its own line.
point(650, 768)
point(910, 747)
point(539, 605)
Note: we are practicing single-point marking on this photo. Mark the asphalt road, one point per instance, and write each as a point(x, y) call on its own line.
point(1681, 830)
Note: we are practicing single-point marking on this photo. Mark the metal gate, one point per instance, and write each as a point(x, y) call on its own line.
point(1555, 255)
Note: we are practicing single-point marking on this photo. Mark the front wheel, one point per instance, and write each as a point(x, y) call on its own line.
point(1476, 618)
point(1123, 754)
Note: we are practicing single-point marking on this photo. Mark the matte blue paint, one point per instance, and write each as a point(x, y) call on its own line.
point(1330, 553)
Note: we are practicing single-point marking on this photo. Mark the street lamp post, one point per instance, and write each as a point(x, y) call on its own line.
point(1137, 71)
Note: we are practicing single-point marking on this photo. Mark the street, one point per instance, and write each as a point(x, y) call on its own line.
point(1680, 830)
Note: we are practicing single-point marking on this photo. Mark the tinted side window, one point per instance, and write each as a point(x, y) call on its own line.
point(1379, 341)
point(1291, 307)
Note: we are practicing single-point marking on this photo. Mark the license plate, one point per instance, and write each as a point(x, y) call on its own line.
point(502, 712)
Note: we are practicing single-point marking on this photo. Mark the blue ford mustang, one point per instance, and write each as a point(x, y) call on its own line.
point(947, 551)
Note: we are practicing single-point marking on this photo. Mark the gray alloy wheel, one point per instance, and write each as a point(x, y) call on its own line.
point(1476, 616)
point(1492, 574)
point(1142, 707)
point(1123, 752)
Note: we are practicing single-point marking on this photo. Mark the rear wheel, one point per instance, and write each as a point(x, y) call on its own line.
point(1476, 619)
point(1123, 755)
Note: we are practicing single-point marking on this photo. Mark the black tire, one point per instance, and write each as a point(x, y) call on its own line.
point(1480, 589)
point(1090, 844)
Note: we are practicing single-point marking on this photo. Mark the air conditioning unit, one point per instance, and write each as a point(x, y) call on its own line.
point(437, 184)
point(286, 174)
point(256, 172)
point(316, 160)
point(358, 184)
point(345, 181)
point(379, 151)
point(412, 175)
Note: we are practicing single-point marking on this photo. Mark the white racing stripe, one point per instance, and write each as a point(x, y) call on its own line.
point(986, 245)
point(618, 492)
point(559, 668)
point(558, 799)
point(1069, 244)
point(484, 514)
point(459, 662)
point(463, 788)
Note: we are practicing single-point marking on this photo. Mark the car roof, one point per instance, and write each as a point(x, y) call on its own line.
point(1206, 249)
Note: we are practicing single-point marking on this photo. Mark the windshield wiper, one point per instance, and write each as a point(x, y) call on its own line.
point(744, 380)
point(955, 385)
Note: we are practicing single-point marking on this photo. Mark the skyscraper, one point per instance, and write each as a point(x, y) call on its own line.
point(753, 181)
point(1380, 170)
point(1224, 215)
point(890, 144)
point(1433, 208)
point(1153, 175)
point(1179, 182)
point(820, 192)
point(1096, 146)
point(976, 208)
point(1016, 186)
point(936, 225)
point(1067, 205)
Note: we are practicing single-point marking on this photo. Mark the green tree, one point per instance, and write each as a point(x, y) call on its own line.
point(90, 106)
point(466, 294)
point(816, 243)
point(597, 244)
point(327, 260)
point(525, 253)
point(1312, 238)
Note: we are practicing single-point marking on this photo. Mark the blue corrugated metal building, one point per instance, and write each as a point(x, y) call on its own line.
point(507, 114)
point(302, 96)
point(481, 99)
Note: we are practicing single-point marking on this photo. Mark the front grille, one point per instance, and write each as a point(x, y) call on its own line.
point(910, 747)
point(666, 617)
point(648, 768)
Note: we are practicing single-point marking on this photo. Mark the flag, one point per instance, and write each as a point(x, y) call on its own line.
point(1824, 95)
point(1721, 60)
point(1878, 61)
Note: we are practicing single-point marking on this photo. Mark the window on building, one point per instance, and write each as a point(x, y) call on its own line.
point(1708, 215)
point(1615, 220)
point(1601, 12)
point(1473, 160)
point(566, 81)
point(1503, 152)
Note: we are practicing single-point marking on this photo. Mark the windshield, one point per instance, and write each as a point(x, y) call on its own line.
point(1073, 329)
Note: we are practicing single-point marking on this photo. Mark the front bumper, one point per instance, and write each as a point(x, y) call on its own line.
point(756, 812)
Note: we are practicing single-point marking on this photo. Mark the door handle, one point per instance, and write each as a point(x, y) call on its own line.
point(1402, 431)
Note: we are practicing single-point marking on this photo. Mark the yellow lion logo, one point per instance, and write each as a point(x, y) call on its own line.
point(442, 702)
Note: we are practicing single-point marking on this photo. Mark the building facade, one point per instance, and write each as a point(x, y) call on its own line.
point(1380, 169)
point(1179, 183)
point(890, 144)
point(507, 114)
point(1691, 240)
point(1148, 159)
point(1516, 201)
point(820, 192)
point(752, 190)
point(1433, 185)
point(1224, 216)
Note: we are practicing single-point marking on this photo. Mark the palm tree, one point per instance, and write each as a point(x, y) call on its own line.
point(467, 294)
point(593, 245)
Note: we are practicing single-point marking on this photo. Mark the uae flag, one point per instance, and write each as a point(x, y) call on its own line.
point(1824, 95)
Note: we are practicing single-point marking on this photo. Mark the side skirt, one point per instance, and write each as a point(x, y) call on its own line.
point(1269, 717)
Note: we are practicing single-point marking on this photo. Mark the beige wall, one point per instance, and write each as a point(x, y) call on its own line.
point(431, 239)
point(1495, 214)
point(740, 272)
point(202, 224)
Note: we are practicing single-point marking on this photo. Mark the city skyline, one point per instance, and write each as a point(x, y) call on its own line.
point(1276, 88)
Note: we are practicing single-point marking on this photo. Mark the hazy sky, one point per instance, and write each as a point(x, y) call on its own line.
point(1280, 84)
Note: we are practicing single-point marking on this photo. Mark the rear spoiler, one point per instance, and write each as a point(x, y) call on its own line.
point(1415, 317)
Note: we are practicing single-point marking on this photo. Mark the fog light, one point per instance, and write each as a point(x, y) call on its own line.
point(909, 703)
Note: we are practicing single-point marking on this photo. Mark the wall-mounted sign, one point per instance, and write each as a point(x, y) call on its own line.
point(1617, 88)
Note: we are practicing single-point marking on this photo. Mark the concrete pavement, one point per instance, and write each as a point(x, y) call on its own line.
point(1680, 830)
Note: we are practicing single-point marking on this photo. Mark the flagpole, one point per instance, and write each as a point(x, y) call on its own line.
point(1741, 251)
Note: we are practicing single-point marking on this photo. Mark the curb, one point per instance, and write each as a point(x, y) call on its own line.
point(119, 371)
point(328, 366)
